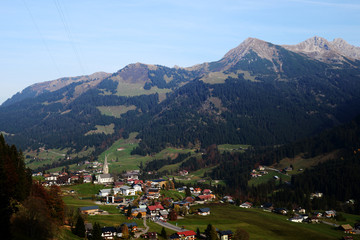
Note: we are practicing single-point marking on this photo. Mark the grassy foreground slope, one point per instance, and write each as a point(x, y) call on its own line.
point(259, 224)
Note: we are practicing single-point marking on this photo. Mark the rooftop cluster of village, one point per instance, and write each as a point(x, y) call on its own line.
point(142, 199)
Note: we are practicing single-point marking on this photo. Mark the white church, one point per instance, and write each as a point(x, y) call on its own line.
point(105, 177)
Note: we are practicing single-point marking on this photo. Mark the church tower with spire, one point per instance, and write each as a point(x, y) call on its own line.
point(106, 166)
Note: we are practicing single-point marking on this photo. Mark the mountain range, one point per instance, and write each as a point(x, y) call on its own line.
point(259, 93)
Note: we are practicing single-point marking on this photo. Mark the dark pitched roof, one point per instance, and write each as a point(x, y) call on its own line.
point(108, 229)
point(130, 225)
point(88, 208)
point(226, 232)
point(204, 209)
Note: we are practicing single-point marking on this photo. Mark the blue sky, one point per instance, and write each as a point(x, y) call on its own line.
point(45, 40)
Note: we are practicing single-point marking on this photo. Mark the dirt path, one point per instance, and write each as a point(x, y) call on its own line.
point(137, 235)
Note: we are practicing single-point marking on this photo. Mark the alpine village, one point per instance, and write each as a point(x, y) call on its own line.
point(261, 144)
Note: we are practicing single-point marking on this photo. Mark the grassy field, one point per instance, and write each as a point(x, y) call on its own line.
point(259, 224)
point(115, 111)
point(105, 129)
point(136, 89)
point(233, 147)
point(301, 163)
point(267, 177)
point(120, 158)
point(173, 194)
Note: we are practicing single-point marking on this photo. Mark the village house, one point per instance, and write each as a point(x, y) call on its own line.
point(268, 207)
point(297, 219)
point(183, 173)
point(74, 179)
point(158, 183)
point(346, 228)
point(246, 205)
point(154, 210)
point(127, 191)
point(282, 211)
point(108, 232)
point(133, 227)
point(151, 235)
point(137, 188)
point(207, 191)
point(225, 235)
point(181, 203)
point(163, 214)
point(197, 191)
point(189, 199)
point(330, 213)
point(104, 192)
point(316, 195)
point(87, 179)
point(203, 211)
point(186, 235)
point(90, 210)
point(153, 193)
point(135, 212)
point(317, 214)
point(205, 198)
point(261, 168)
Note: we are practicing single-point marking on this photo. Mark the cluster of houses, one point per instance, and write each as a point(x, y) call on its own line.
point(84, 176)
point(258, 172)
point(191, 235)
point(65, 178)
point(112, 232)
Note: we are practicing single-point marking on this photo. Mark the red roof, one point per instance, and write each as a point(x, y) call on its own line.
point(154, 207)
point(203, 197)
point(187, 233)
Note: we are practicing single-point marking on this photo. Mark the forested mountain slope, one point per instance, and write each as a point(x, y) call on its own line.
point(258, 93)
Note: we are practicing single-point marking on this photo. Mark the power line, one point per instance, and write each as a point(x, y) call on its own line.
point(69, 35)
point(42, 38)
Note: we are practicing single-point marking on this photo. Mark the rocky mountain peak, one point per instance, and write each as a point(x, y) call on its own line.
point(323, 50)
point(261, 48)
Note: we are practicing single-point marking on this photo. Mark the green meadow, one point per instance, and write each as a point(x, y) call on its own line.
point(259, 224)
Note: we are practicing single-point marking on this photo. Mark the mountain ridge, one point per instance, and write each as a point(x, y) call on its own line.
point(259, 93)
point(321, 49)
point(317, 48)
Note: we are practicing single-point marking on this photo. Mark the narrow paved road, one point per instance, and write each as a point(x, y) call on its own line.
point(331, 224)
point(170, 226)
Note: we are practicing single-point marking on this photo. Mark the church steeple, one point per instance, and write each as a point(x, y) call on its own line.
point(105, 167)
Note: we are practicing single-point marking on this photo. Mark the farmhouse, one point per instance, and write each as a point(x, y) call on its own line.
point(225, 235)
point(330, 213)
point(89, 210)
point(186, 235)
point(154, 210)
point(108, 232)
point(133, 227)
point(246, 205)
point(135, 212)
point(204, 211)
point(346, 228)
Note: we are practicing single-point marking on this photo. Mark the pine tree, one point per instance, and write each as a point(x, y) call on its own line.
point(96, 232)
point(80, 227)
point(163, 233)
